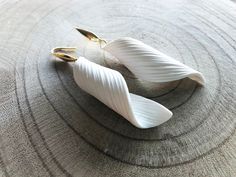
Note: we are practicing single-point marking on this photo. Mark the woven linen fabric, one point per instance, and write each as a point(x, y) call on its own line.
point(51, 127)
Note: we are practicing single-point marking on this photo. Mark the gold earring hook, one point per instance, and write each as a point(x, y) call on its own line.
point(62, 53)
point(91, 36)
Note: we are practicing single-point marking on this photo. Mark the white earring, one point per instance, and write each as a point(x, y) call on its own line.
point(144, 61)
point(110, 88)
point(148, 63)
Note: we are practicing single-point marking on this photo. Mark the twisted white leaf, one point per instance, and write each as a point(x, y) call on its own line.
point(148, 63)
point(109, 87)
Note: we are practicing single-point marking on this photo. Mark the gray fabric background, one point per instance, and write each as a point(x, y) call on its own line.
point(49, 127)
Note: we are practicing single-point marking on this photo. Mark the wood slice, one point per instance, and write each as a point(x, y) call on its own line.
point(50, 127)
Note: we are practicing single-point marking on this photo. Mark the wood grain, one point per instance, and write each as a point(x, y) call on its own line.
point(50, 127)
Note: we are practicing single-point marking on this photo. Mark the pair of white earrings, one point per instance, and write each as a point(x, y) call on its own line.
point(109, 86)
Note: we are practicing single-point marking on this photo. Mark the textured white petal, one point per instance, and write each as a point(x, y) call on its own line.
point(148, 63)
point(109, 87)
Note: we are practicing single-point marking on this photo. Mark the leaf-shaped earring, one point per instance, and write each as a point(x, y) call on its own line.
point(146, 62)
point(110, 88)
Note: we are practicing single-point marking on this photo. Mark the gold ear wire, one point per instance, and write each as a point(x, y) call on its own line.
point(91, 36)
point(61, 52)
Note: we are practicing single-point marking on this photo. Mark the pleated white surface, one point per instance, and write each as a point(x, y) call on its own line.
point(148, 63)
point(109, 87)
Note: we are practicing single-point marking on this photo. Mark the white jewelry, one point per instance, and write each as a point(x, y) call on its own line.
point(144, 61)
point(148, 63)
point(109, 86)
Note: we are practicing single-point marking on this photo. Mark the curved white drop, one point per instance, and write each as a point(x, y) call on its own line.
point(148, 63)
point(109, 87)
